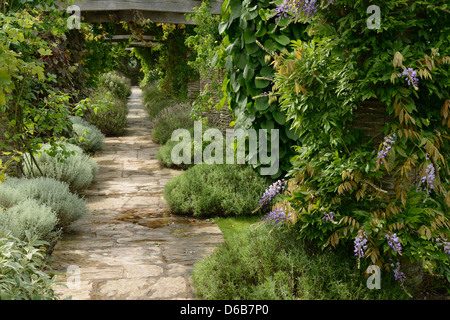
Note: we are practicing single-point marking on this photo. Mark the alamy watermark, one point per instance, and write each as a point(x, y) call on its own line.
point(374, 280)
point(235, 141)
point(73, 281)
point(374, 21)
point(74, 21)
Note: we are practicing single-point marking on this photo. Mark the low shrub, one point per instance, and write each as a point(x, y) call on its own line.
point(215, 190)
point(107, 113)
point(164, 154)
point(78, 170)
point(21, 265)
point(170, 119)
point(271, 264)
point(118, 85)
point(93, 137)
point(30, 216)
point(155, 100)
point(52, 193)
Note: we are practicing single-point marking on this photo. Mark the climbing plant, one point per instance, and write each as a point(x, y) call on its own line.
point(339, 192)
point(208, 47)
point(42, 75)
point(250, 34)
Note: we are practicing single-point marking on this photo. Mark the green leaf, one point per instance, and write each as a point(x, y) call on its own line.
point(260, 29)
point(248, 73)
point(260, 84)
point(281, 39)
point(262, 104)
point(291, 134)
point(223, 26)
point(279, 117)
point(249, 36)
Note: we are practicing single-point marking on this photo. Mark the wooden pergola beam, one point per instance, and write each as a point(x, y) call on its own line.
point(158, 11)
point(126, 38)
point(136, 44)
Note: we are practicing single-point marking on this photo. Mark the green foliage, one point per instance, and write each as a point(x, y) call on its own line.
point(92, 137)
point(166, 60)
point(164, 154)
point(106, 112)
point(47, 191)
point(148, 59)
point(209, 61)
point(118, 85)
point(21, 270)
point(169, 119)
point(78, 170)
point(249, 74)
point(155, 100)
point(265, 264)
point(215, 190)
point(322, 82)
point(42, 74)
point(30, 216)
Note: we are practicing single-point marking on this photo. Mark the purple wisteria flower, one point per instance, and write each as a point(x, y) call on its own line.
point(411, 76)
point(443, 242)
point(297, 8)
point(398, 275)
point(429, 176)
point(277, 216)
point(394, 242)
point(275, 189)
point(386, 146)
point(360, 245)
point(328, 216)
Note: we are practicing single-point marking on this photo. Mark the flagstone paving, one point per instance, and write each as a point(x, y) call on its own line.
point(128, 245)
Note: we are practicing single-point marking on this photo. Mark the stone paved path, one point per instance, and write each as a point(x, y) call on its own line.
point(128, 246)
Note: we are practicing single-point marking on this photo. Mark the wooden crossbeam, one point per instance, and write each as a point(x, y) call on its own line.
point(136, 44)
point(126, 38)
point(179, 6)
point(158, 11)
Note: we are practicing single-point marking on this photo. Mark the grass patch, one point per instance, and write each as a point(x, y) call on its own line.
point(231, 226)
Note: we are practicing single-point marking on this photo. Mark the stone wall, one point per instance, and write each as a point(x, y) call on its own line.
point(218, 118)
point(370, 117)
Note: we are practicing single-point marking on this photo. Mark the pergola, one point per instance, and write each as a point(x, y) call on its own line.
point(158, 11)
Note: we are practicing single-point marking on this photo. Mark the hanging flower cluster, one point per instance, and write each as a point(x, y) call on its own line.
point(386, 146)
point(275, 189)
point(277, 216)
point(394, 242)
point(297, 8)
point(328, 216)
point(360, 245)
point(410, 76)
point(429, 176)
